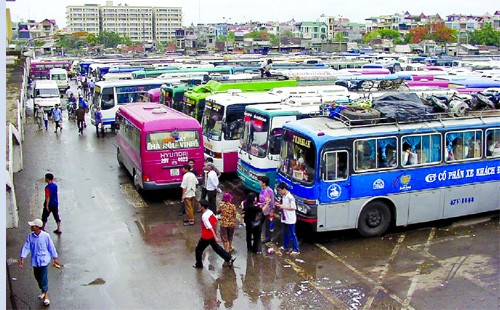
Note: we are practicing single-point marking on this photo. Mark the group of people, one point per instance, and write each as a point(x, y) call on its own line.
point(258, 214)
point(81, 108)
point(42, 117)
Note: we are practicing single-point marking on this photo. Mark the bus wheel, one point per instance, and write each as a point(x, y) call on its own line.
point(136, 182)
point(374, 219)
point(119, 157)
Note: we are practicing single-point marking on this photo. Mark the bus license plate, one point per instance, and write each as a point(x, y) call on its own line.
point(174, 172)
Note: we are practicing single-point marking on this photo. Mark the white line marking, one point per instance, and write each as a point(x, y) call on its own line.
point(415, 279)
point(361, 275)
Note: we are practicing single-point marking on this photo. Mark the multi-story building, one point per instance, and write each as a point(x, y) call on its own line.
point(139, 23)
point(134, 21)
point(166, 21)
point(83, 18)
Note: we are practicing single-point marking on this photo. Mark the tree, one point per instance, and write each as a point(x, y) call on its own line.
point(437, 32)
point(485, 36)
point(109, 39)
point(389, 34)
point(339, 37)
point(262, 35)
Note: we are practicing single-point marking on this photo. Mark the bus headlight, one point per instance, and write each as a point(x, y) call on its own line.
point(302, 208)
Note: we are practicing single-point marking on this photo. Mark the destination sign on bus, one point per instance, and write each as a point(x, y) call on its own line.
point(301, 141)
point(213, 106)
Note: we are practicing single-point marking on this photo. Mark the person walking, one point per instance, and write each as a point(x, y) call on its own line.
point(51, 204)
point(39, 117)
point(46, 119)
point(98, 121)
point(211, 186)
point(288, 218)
point(80, 119)
point(227, 211)
point(252, 210)
point(42, 250)
point(57, 116)
point(266, 200)
point(209, 237)
point(188, 185)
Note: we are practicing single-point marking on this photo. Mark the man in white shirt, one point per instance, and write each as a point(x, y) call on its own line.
point(288, 218)
point(211, 185)
point(188, 185)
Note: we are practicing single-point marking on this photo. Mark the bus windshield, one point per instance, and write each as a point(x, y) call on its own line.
point(298, 158)
point(255, 134)
point(212, 123)
point(60, 77)
point(105, 96)
point(172, 140)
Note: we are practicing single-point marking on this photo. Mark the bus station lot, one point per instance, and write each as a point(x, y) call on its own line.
point(122, 249)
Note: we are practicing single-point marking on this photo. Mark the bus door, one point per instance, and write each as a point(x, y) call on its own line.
point(335, 191)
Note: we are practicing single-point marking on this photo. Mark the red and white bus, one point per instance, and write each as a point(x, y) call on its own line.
point(154, 142)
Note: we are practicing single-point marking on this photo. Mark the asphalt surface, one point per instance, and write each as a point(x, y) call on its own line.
point(124, 250)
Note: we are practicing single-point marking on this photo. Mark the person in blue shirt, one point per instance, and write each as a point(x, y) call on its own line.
point(42, 250)
point(51, 204)
point(57, 116)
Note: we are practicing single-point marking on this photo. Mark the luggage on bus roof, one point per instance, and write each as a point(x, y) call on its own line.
point(402, 107)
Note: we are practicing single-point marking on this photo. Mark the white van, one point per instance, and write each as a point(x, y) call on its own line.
point(60, 76)
point(46, 94)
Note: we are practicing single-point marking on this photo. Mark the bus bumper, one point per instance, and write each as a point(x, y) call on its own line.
point(249, 182)
point(152, 186)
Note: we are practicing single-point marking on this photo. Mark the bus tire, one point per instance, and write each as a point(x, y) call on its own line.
point(361, 116)
point(119, 158)
point(137, 184)
point(374, 220)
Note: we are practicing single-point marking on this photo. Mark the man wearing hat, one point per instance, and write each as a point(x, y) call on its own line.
point(42, 249)
point(209, 236)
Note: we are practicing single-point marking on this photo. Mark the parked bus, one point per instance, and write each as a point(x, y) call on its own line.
point(155, 73)
point(40, 69)
point(153, 142)
point(194, 100)
point(171, 93)
point(261, 139)
point(222, 125)
point(109, 95)
point(371, 177)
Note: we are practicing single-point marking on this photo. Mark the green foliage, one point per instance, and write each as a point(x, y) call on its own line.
point(109, 39)
point(383, 34)
point(274, 39)
point(485, 36)
point(339, 37)
point(262, 35)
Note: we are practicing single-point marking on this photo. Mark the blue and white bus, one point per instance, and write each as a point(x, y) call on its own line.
point(370, 177)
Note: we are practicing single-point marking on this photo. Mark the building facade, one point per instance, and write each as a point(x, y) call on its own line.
point(139, 23)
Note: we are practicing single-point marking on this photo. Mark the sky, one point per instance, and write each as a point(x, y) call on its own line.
point(234, 11)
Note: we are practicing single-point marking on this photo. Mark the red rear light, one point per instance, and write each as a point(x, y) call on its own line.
point(145, 178)
point(217, 155)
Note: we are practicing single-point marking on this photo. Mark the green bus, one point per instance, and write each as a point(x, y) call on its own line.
point(193, 102)
point(142, 74)
point(171, 95)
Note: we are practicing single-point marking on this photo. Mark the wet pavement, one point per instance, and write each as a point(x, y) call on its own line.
point(125, 250)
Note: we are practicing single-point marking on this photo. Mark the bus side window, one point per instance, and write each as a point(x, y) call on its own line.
point(364, 155)
point(387, 152)
point(463, 145)
point(493, 143)
point(335, 164)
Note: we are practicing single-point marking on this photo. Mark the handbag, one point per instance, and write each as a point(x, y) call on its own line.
point(258, 220)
